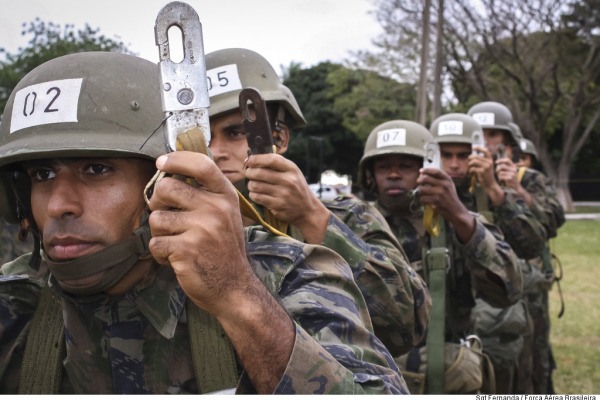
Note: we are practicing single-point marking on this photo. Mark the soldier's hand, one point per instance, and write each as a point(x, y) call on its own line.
point(506, 171)
point(437, 189)
point(198, 231)
point(482, 165)
point(278, 184)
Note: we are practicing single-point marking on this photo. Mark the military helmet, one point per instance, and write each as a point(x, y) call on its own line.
point(392, 137)
point(94, 104)
point(231, 70)
point(527, 147)
point(454, 128)
point(494, 115)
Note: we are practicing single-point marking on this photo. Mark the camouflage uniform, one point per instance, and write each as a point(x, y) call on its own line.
point(397, 297)
point(473, 263)
point(539, 280)
point(139, 343)
point(10, 246)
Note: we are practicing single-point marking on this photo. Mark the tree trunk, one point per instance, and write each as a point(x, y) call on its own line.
point(436, 107)
point(422, 93)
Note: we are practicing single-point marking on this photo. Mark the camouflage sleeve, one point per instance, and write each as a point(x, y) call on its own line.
point(397, 297)
point(522, 230)
point(20, 288)
point(335, 350)
point(556, 210)
point(493, 265)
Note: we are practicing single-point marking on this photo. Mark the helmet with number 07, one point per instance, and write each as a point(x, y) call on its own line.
point(230, 70)
point(95, 104)
point(392, 137)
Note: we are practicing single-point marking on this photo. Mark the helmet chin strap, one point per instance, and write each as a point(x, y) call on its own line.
point(109, 264)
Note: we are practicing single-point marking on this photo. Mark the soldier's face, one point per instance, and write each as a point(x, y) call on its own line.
point(493, 139)
point(83, 205)
point(395, 175)
point(526, 160)
point(229, 145)
point(455, 159)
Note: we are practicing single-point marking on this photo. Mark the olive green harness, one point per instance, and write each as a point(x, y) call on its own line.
point(41, 370)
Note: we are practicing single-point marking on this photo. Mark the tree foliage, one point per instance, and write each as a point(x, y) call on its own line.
point(49, 40)
point(539, 57)
point(341, 105)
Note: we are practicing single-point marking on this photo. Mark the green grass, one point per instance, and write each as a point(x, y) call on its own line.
point(587, 209)
point(575, 337)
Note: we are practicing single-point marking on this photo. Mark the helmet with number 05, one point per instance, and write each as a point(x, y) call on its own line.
point(494, 115)
point(231, 70)
point(95, 104)
point(393, 137)
point(455, 128)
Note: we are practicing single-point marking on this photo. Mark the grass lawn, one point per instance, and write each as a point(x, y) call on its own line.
point(575, 337)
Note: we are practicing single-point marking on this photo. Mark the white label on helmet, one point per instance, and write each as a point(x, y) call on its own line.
point(223, 79)
point(450, 128)
point(523, 145)
point(391, 137)
point(46, 103)
point(484, 118)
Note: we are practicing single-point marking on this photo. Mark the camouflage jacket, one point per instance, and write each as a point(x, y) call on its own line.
point(397, 297)
point(139, 343)
point(546, 206)
point(484, 267)
point(522, 229)
point(10, 246)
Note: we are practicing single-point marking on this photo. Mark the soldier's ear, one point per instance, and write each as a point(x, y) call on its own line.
point(281, 137)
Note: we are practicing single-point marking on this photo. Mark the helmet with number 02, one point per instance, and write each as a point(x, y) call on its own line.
point(494, 115)
point(230, 70)
point(392, 137)
point(94, 104)
point(456, 128)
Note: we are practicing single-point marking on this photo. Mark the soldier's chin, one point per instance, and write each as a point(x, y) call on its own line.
point(463, 181)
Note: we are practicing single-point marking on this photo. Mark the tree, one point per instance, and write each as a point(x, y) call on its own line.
point(48, 41)
point(539, 57)
point(342, 105)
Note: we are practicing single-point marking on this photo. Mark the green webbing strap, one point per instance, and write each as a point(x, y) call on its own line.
point(41, 369)
point(212, 352)
point(482, 203)
point(436, 262)
point(548, 269)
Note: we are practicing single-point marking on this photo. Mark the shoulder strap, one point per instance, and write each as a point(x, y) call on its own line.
point(482, 202)
point(212, 352)
point(41, 369)
point(436, 261)
point(521, 172)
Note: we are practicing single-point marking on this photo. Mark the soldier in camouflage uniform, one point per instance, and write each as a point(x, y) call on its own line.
point(482, 263)
point(539, 194)
point(10, 246)
point(396, 296)
point(153, 297)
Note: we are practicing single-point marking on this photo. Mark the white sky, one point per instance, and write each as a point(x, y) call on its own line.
point(305, 31)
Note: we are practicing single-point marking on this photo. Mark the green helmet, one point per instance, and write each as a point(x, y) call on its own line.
point(392, 137)
point(454, 128)
point(494, 115)
point(95, 104)
point(231, 70)
point(527, 147)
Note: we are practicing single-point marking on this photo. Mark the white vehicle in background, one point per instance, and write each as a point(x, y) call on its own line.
point(332, 185)
point(326, 192)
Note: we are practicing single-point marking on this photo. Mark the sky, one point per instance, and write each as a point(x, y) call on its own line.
point(304, 31)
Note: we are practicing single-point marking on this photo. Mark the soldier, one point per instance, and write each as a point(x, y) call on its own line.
point(480, 262)
point(538, 295)
point(170, 297)
point(396, 296)
point(539, 194)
